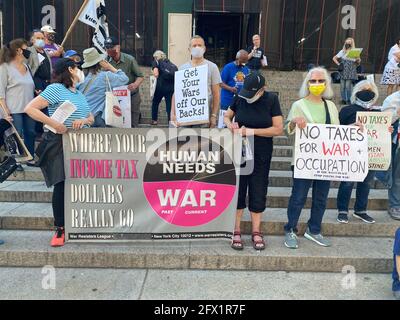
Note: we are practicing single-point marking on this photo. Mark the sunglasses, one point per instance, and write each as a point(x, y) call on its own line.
point(317, 81)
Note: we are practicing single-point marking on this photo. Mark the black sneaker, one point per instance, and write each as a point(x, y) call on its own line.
point(364, 217)
point(343, 218)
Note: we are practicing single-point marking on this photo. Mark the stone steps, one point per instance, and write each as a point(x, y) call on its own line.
point(278, 197)
point(31, 249)
point(34, 216)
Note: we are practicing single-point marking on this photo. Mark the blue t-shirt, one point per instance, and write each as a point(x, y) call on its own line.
point(396, 253)
point(56, 94)
point(233, 76)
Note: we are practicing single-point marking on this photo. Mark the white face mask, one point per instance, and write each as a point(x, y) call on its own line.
point(81, 76)
point(198, 52)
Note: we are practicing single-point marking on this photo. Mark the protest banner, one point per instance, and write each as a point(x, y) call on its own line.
point(379, 138)
point(124, 98)
point(331, 153)
point(191, 96)
point(150, 184)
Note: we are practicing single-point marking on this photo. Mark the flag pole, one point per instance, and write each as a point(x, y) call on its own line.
point(72, 26)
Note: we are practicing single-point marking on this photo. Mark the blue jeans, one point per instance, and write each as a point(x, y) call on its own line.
point(99, 122)
point(26, 128)
point(363, 188)
point(394, 191)
point(298, 200)
point(346, 89)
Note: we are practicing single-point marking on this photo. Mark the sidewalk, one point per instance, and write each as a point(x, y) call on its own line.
point(141, 284)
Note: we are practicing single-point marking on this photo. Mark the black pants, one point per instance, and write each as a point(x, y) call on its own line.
point(58, 205)
point(255, 185)
point(4, 126)
point(158, 96)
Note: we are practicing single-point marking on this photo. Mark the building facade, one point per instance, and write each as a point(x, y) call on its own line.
point(294, 33)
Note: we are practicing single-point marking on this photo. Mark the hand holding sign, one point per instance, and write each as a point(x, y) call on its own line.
point(331, 153)
point(378, 127)
point(191, 96)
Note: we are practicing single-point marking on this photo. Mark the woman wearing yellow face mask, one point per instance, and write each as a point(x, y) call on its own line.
point(313, 107)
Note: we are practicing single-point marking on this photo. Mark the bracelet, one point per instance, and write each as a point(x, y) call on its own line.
point(214, 116)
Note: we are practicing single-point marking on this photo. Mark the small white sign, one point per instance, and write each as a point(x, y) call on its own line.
point(331, 153)
point(124, 98)
point(191, 96)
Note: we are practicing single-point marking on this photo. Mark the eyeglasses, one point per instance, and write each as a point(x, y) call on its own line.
point(313, 81)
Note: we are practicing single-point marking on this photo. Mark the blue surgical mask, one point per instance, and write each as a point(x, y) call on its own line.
point(39, 43)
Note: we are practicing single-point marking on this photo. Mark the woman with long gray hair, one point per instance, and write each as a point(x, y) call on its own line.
point(314, 106)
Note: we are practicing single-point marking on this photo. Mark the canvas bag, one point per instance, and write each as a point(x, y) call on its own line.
point(112, 111)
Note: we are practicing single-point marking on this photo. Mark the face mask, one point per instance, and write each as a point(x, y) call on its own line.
point(198, 52)
point(317, 89)
point(365, 98)
point(39, 43)
point(347, 46)
point(81, 76)
point(51, 37)
point(26, 53)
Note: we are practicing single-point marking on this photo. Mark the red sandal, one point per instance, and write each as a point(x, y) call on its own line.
point(258, 245)
point(237, 244)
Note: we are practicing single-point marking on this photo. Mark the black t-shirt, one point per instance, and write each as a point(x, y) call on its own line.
point(258, 116)
point(258, 56)
point(348, 115)
point(161, 82)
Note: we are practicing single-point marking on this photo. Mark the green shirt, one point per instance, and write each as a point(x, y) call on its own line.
point(129, 66)
point(312, 112)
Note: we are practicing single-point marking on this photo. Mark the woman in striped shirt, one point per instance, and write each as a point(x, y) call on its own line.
point(50, 151)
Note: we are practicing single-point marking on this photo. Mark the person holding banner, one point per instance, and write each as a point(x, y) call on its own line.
point(347, 69)
point(364, 97)
point(233, 76)
point(313, 107)
point(257, 115)
point(54, 50)
point(130, 67)
point(197, 49)
point(95, 86)
point(50, 151)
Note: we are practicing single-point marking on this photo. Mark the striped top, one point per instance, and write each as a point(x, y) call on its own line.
point(56, 94)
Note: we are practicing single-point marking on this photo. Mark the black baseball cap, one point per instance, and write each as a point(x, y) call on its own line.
point(111, 42)
point(63, 65)
point(253, 83)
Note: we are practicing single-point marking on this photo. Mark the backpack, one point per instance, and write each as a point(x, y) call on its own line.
point(167, 70)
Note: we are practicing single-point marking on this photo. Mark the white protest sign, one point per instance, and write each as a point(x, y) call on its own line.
point(331, 153)
point(124, 97)
point(379, 138)
point(191, 96)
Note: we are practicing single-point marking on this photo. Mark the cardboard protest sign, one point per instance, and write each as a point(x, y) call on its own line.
point(379, 138)
point(332, 153)
point(191, 96)
point(150, 184)
point(124, 97)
